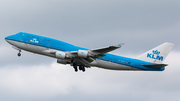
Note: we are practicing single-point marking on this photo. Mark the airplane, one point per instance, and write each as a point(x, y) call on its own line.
point(81, 58)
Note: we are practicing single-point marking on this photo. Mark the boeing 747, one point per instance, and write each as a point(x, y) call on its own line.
point(81, 58)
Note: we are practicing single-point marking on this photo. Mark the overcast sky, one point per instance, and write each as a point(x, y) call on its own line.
point(141, 24)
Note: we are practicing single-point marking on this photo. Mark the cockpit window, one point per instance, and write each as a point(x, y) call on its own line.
point(19, 33)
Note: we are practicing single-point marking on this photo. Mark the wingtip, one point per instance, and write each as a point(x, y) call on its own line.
point(120, 45)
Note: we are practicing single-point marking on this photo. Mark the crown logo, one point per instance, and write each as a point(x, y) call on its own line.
point(156, 52)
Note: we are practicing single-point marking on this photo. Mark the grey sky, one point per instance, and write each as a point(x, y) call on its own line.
point(140, 24)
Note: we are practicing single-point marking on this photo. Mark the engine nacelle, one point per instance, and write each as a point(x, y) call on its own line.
point(62, 61)
point(83, 53)
point(60, 55)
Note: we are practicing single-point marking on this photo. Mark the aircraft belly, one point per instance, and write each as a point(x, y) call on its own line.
point(30, 48)
point(113, 66)
point(16, 44)
point(98, 63)
point(38, 50)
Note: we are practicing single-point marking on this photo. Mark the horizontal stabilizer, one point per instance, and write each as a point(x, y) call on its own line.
point(155, 65)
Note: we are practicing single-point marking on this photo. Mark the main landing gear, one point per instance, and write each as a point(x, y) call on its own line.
point(75, 67)
point(19, 54)
point(81, 67)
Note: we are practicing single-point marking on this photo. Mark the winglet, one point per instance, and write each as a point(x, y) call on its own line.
point(120, 45)
point(108, 49)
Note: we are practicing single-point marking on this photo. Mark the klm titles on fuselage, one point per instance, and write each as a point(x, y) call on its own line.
point(34, 40)
point(155, 55)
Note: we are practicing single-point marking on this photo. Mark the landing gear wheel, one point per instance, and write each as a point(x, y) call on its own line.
point(19, 54)
point(80, 67)
point(76, 70)
point(83, 69)
point(75, 67)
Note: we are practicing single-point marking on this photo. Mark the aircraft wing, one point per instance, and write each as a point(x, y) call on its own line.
point(89, 53)
point(84, 57)
point(108, 49)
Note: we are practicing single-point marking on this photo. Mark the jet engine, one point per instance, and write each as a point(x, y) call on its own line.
point(60, 55)
point(62, 61)
point(84, 54)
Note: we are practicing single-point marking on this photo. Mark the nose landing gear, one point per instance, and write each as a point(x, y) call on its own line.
point(19, 54)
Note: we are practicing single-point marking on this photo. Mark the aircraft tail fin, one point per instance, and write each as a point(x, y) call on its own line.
point(157, 54)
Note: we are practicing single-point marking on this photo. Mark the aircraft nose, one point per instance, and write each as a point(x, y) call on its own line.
point(7, 38)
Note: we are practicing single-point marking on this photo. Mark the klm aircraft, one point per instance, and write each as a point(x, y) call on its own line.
point(81, 58)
